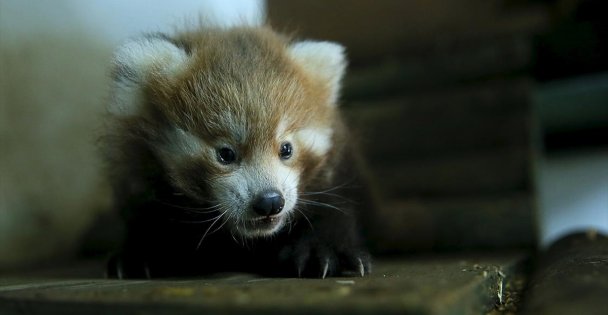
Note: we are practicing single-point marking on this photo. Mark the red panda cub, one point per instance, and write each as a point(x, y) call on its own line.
point(227, 152)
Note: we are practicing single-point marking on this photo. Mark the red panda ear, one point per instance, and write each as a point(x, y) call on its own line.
point(132, 65)
point(324, 60)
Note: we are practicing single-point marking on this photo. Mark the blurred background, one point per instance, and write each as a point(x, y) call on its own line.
point(485, 122)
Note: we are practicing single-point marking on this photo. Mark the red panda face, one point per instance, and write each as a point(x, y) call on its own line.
point(248, 166)
point(239, 120)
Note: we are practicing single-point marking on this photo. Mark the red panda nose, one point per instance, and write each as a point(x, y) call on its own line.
point(268, 203)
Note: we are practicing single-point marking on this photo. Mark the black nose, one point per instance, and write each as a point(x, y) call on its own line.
point(268, 203)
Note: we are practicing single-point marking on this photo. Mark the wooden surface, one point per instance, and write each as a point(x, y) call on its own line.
point(372, 29)
point(490, 114)
point(453, 169)
point(440, 66)
point(464, 284)
point(571, 278)
point(454, 223)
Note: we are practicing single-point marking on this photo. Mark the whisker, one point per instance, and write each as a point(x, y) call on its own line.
point(334, 188)
point(320, 204)
point(285, 179)
point(198, 221)
point(192, 209)
point(306, 218)
point(234, 238)
point(290, 222)
point(327, 194)
point(209, 228)
point(221, 225)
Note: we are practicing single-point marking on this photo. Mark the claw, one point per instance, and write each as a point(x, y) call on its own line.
point(119, 273)
point(301, 264)
point(325, 269)
point(147, 270)
point(361, 267)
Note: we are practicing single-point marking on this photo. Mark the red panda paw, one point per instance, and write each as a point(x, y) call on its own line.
point(320, 260)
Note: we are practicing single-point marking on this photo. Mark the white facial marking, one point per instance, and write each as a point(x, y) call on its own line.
point(182, 143)
point(179, 144)
point(317, 140)
point(287, 181)
point(282, 128)
point(237, 190)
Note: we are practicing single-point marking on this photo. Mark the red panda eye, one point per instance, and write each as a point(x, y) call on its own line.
point(286, 150)
point(226, 156)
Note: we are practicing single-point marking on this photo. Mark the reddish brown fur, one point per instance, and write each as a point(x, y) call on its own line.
point(239, 86)
point(246, 73)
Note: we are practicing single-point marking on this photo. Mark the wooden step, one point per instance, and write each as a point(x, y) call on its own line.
point(457, 284)
point(571, 277)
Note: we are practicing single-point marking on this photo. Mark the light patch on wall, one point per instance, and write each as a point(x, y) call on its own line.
point(57, 54)
point(573, 192)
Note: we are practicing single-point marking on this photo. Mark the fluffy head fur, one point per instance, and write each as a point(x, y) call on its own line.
point(234, 131)
point(178, 101)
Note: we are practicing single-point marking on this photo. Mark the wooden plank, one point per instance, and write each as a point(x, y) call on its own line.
point(465, 174)
point(480, 116)
point(461, 141)
point(450, 63)
point(571, 277)
point(418, 224)
point(375, 29)
point(461, 284)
